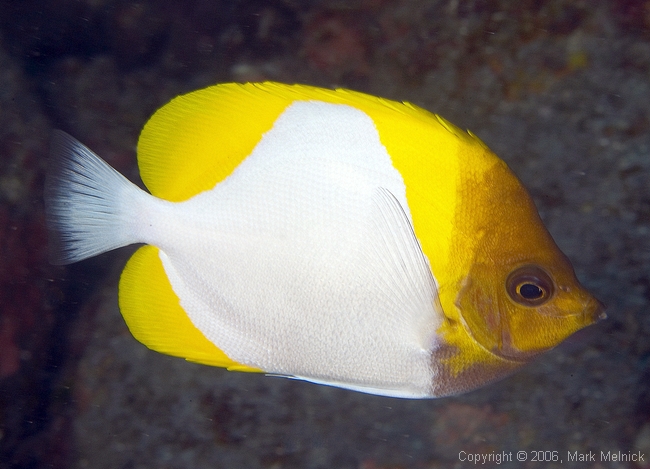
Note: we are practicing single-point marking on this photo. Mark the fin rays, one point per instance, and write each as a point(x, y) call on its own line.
point(84, 206)
point(409, 285)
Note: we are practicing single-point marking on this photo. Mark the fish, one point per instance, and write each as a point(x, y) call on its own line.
point(322, 235)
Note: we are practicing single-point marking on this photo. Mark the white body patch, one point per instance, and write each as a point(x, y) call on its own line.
point(303, 261)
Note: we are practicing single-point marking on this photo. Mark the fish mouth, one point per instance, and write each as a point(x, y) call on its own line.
point(594, 311)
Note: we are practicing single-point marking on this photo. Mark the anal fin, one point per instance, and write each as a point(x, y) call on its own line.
point(153, 313)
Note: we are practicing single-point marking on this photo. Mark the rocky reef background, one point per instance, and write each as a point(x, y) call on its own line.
point(559, 89)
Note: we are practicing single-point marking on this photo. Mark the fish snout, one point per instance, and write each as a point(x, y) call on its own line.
point(594, 311)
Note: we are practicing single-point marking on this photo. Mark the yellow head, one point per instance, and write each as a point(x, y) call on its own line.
point(512, 293)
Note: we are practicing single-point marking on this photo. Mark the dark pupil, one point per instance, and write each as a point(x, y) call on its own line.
point(530, 291)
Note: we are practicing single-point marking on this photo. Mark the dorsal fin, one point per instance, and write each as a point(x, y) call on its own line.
point(198, 139)
point(153, 313)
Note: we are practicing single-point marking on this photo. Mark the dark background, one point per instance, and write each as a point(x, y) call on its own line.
point(559, 89)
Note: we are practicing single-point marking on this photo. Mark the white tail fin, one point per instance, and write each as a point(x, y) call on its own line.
point(88, 205)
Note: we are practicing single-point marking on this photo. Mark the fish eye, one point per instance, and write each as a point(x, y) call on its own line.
point(529, 285)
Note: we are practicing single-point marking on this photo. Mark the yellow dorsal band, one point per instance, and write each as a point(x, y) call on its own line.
point(198, 139)
point(154, 315)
